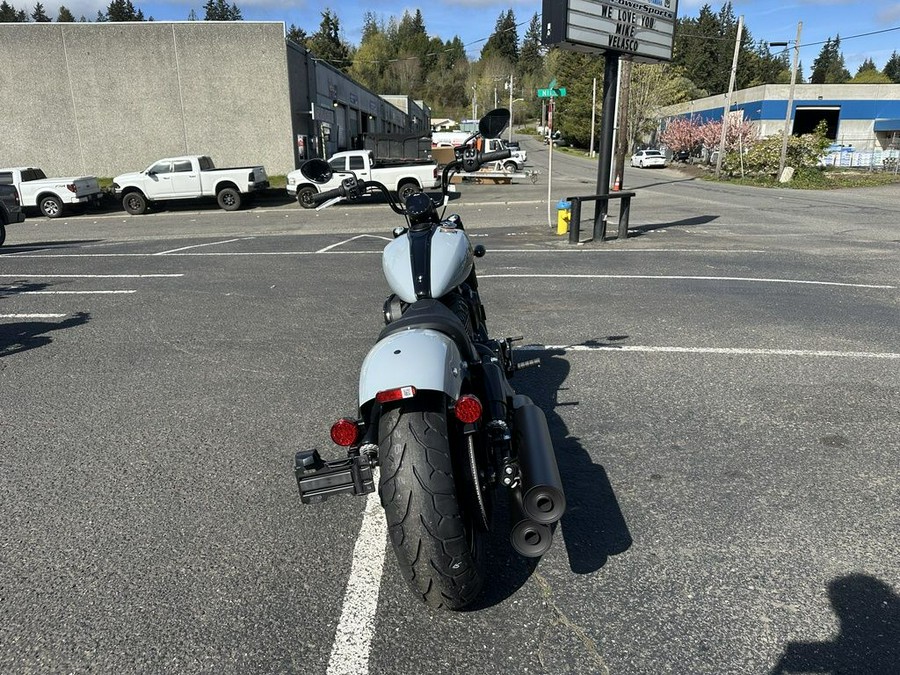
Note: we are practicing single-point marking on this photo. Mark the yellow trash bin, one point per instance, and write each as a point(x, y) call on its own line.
point(563, 216)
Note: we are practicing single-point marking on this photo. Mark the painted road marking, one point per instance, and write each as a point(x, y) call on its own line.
point(327, 250)
point(679, 278)
point(31, 316)
point(89, 276)
point(347, 241)
point(740, 351)
point(352, 640)
point(12, 291)
point(212, 243)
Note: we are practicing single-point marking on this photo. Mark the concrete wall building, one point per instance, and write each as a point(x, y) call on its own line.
point(865, 116)
point(105, 98)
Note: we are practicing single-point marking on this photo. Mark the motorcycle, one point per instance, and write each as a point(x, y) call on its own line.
point(437, 414)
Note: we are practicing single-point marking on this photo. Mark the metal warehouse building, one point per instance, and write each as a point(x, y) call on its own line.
point(865, 116)
point(105, 98)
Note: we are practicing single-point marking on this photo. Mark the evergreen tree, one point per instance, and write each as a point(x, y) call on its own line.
point(892, 68)
point(504, 41)
point(296, 34)
point(9, 14)
point(123, 10)
point(697, 51)
point(829, 68)
point(326, 43)
point(370, 63)
point(576, 72)
point(531, 60)
point(39, 15)
point(868, 73)
point(65, 15)
point(220, 10)
point(445, 87)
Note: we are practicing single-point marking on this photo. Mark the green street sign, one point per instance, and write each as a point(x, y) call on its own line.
point(551, 93)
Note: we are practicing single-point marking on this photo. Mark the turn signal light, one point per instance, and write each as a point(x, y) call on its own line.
point(468, 409)
point(344, 432)
point(397, 394)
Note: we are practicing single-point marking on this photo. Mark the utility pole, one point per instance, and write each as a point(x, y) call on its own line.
point(622, 131)
point(790, 104)
point(593, 116)
point(734, 61)
point(511, 116)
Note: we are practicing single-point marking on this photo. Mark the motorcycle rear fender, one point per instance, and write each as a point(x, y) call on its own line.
point(425, 359)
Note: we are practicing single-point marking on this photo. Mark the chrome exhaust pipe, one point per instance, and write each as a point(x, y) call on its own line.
point(543, 499)
point(528, 538)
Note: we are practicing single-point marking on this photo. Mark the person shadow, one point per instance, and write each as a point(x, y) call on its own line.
point(20, 336)
point(869, 640)
point(593, 526)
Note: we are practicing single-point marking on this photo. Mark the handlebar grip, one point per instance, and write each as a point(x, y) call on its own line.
point(328, 194)
point(495, 156)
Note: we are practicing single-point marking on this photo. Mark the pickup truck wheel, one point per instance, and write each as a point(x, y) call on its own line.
point(510, 167)
point(2, 233)
point(406, 190)
point(135, 203)
point(51, 206)
point(229, 199)
point(305, 197)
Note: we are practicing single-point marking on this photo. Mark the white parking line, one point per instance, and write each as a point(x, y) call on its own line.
point(679, 278)
point(31, 316)
point(212, 243)
point(740, 351)
point(328, 249)
point(352, 640)
point(347, 241)
point(25, 275)
point(14, 292)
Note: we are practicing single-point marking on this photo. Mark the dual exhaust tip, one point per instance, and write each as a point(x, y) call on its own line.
point(539, 501)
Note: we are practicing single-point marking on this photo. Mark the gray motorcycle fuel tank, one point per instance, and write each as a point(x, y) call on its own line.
point(425, 265)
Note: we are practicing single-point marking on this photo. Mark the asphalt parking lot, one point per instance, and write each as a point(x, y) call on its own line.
point(722, 389)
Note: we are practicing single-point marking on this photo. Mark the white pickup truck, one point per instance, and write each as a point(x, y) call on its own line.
point(454, 139)
point(402, 176)
point(50, 195)
point(188, 177)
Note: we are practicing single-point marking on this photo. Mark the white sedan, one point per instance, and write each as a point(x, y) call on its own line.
point(645, 158)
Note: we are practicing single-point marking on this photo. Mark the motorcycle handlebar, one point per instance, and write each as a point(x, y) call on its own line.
point(323, 197)
point(488, 157)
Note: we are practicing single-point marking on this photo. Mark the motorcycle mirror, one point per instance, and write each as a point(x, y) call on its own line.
point(316, 170)
point(493, 124)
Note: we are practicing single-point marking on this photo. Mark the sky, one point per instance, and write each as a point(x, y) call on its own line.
point(474, 20)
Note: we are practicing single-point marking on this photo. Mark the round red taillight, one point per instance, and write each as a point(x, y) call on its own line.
point(344, 432)
point(468, 409)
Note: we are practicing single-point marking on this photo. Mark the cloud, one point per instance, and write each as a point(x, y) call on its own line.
point(890, 14)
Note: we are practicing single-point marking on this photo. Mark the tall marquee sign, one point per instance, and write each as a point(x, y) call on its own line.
point(644, 29)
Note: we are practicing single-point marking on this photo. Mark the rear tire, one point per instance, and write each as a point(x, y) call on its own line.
point(2, 233)
point(229, 199)
point(437, 546)
point(305, 197)
point(51, 207)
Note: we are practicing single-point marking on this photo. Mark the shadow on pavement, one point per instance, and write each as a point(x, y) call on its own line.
point(687, 222)
point(593, 526)
point(35, 246)
point(24, 335)
point(869, 640)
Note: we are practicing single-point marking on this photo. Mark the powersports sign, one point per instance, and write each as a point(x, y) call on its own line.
point(642, 28)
